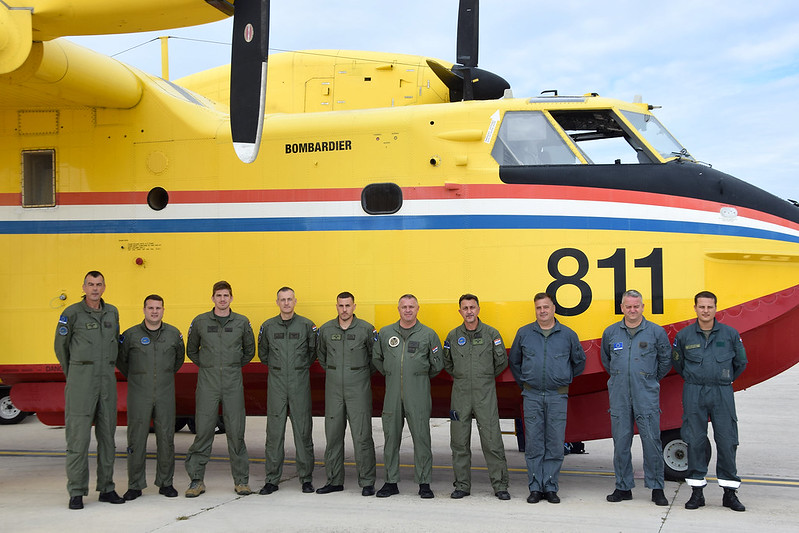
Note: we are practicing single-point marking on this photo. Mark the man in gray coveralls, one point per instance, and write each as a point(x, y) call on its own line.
point(637, 355)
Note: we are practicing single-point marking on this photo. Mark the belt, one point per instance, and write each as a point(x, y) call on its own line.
point(563, 389)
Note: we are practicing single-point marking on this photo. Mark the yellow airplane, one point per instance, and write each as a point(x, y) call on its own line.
point(376, 173)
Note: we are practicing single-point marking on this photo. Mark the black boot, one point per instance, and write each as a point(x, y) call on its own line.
point(696, 500)
point(730, 499)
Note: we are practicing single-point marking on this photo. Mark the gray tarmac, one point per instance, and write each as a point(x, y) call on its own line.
point(33, 495)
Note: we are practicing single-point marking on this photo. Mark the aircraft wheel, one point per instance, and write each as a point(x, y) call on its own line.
point(220, 426)
point(9, 414)
point(675, 455)
point(181, 421)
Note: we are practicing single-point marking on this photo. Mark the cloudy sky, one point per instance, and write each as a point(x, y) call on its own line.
point(725, 73)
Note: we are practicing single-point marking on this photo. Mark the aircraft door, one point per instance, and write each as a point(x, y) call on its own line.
point(319, 95)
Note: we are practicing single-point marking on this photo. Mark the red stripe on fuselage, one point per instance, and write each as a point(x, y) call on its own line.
point(446, 192)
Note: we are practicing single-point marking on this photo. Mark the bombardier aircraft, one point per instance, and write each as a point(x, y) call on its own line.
point(375, 173)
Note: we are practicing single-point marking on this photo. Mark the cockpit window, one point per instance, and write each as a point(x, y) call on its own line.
point(601, 137)
point(655, 134)
point(527, 138)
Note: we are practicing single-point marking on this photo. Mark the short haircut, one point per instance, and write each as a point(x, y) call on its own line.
point(220, 286)
point(468, 296)
point(154, 297)
point(705, 294)
point(93, 274)
point(283, 289)
point(632, 293)
point(345, 295)
point(409, 295)
point(542, 295)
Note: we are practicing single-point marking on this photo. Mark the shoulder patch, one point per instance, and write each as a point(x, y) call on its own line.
point(446, 345)
point(435, 349)
point(63, 319)
point(63, 330)
point(618, 346)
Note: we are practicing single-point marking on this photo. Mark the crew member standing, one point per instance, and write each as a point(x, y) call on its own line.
point(287, 345)
point(150, 355)
point(474, 355)
point(86, 345)
point(408, 353)
point(544, 359)
point(636, 354)
point(344, 349)
point(220, 343)
point(709, 356)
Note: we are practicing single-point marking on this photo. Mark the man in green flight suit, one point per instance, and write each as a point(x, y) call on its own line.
point(287, 345)
point(150, 355)
point(474, 355)
point(86, 345)
point(408, 353)
point(344, 349)
point(709, 356)
point(220, 343)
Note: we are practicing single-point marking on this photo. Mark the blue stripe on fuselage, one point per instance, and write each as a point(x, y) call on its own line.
point(382, 223)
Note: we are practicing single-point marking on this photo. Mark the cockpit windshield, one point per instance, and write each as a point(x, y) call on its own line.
point(655, 134)
point(599, 136)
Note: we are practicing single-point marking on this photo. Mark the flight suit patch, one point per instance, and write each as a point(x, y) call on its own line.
point(335, 337)
point(63, 319)
point(477, 342)
point(393, 341)
point(692, 346)
point(213, 329)
point(413, 346)
point(461, 341)
point(294, 336)
point(720, 344)
point(279, 336)
point(350, 336)
point(145, 341)
point(618, 346)
point(643, 344)
point(92, 325)
point(63, 330)
point(228, 330)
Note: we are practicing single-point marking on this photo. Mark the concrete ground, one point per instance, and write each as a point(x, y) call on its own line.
point(33, 495)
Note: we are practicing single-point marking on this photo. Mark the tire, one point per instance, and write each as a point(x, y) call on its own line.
point(180, 423)
point(675, 454)
point(9, 414)
point(220, 426)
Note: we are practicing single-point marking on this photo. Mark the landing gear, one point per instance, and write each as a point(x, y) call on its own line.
point(9, 414)
point(220, 426)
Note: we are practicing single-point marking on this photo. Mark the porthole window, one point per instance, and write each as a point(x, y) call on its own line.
point(157, 198)
point(381, 198)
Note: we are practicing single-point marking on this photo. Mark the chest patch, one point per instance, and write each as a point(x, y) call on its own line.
point(335, 337)
point(145, 341)
point(294, 336)
point(461, 341)
point(618, 346)
point(393, 341)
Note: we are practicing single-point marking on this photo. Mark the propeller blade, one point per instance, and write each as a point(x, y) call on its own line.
point(248, 76)
point(468, 32)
